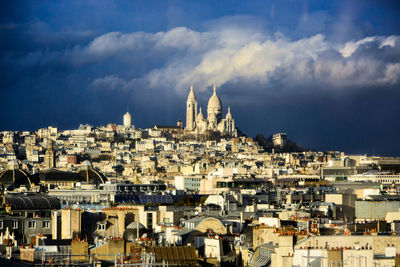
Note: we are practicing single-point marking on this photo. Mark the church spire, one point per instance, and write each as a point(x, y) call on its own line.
point(200, 115)
point(191, 95)
point(229, 115)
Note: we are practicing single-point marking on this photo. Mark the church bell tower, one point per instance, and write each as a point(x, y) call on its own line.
point(49, 158)
point(191, 110)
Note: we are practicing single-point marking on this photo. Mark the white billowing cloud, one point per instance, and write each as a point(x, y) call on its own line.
point(255, 60)
point(183, 38)
point(391, 74)
point(110, 82)
point(350, 47)
point(116, 42)
point(228, 54)
point(389, 41)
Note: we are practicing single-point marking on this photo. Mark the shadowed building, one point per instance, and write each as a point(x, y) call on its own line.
point(27, 216)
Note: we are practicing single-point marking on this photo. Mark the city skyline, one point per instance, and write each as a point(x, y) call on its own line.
point(325, 73)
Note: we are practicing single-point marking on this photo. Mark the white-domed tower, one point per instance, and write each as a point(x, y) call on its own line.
point(214, 107)
point(127, 119)
point(191, 110)
point(229, 122)
point(201, 123)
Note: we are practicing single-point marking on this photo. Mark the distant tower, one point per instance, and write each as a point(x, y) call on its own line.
point(279, 139)
point(49, 158)
point(179, 124)
point(191, 110)
point(127, 119)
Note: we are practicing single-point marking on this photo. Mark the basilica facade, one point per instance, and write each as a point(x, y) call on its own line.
point(196, 123)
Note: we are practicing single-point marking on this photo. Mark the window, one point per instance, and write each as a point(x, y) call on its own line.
point(15, 224)
point(46, 224)
point(150, 220)
point(31, 224)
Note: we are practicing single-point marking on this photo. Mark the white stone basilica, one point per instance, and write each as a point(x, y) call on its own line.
point(197, 124)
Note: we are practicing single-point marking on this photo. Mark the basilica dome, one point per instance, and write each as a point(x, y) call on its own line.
point(214, 102)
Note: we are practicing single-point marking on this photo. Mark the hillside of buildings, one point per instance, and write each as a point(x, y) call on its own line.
point(119, 194)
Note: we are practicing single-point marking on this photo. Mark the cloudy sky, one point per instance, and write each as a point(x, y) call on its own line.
point(325, 72)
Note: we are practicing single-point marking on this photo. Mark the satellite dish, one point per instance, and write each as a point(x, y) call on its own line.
point(242, 238)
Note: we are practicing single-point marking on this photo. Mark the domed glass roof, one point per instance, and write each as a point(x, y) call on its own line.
point(14, 177)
